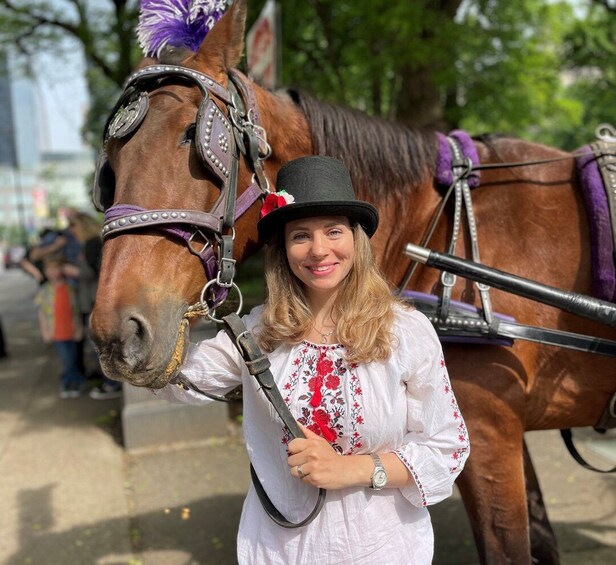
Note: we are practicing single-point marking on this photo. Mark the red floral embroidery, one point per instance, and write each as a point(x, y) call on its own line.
point(321, 417)
point(330, 405)
point(315, 385)
point(332, 382)
point(462, 432)
point(322, 420)
point(324, 366)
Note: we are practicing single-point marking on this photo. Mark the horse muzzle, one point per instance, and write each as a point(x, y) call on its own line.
point(133, 350)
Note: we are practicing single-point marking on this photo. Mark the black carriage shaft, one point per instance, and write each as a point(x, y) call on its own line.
point(573, 302)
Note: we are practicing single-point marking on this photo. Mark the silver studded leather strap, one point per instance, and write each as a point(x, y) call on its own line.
point(125, 218)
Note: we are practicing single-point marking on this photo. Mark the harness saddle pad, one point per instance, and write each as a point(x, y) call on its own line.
point(597, 172)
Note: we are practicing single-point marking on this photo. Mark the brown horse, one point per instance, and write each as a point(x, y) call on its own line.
point(531, 221)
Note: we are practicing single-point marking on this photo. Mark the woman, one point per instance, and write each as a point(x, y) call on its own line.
point(362, 373)
point(86, 229)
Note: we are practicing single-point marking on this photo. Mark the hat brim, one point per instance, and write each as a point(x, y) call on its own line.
point(362, 212)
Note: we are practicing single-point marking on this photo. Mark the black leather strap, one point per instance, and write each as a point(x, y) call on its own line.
point(568, 439)
point(558, 338)
point(258, 366)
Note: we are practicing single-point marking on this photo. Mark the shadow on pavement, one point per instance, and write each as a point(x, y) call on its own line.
point(167, 536)
point(203, 532)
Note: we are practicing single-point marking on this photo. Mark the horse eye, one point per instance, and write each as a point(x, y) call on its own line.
point(189, 134)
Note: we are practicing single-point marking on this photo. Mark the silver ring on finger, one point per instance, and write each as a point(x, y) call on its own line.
point(300, 473)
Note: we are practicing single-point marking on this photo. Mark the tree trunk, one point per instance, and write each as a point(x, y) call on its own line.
point(420, 101)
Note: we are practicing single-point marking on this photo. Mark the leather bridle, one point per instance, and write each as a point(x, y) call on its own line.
point(220, 141)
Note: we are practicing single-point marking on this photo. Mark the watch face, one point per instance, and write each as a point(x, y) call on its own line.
point(379, 478)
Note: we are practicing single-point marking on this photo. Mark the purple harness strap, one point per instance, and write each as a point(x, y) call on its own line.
point(603, 252)
point(444, 160)
point(173, 223)
point(597, 208)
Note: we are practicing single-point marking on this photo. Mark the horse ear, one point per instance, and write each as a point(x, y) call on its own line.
point(223, 46)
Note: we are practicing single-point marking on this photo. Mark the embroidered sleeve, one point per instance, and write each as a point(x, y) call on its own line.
point(436, 444)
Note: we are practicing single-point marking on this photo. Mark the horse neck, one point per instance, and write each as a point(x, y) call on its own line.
point(287, 129)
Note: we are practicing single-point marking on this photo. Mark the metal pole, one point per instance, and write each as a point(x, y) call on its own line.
point(579, 304)
point(21, 212)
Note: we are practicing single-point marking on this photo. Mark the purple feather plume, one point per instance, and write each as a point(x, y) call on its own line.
point(176, 23)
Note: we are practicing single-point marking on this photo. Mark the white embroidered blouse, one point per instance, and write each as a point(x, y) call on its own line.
point(405, 405)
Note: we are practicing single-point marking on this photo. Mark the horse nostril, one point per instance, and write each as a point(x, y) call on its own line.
point(135, 337)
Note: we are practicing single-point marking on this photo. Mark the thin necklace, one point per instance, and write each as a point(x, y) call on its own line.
point(324, 336)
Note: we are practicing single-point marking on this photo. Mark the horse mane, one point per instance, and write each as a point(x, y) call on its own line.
point(383, 157)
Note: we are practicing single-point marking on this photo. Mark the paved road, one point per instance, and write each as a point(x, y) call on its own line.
point(70, 494)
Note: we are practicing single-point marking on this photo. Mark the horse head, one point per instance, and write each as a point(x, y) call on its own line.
point(183, 159)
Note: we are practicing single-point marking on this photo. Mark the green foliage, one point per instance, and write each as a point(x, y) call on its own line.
point(11, 234)
point(357, 52)
point(537, 69)
point(589, 55)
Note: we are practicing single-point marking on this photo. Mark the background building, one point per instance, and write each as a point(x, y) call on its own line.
point(34, 184)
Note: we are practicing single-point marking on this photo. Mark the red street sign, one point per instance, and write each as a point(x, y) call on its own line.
point(261, 47)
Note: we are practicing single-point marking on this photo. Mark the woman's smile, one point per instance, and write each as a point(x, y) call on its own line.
point(320, 251)
point(321, 270)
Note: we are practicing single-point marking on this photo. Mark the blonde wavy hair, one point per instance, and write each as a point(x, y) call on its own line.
point(363, 309)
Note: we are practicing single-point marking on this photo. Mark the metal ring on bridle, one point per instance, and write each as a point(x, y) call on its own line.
point(212, 310)
point(606, 132)
point(219, 236)
point(191, 246)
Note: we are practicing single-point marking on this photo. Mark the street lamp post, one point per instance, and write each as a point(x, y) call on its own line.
point(21, 211)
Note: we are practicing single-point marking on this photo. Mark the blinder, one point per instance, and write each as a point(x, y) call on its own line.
point(126, 118)
point(214, 138)
point(129, 116)
point(104, 183)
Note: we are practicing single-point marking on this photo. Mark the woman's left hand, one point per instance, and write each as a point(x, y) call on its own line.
point(319, 464)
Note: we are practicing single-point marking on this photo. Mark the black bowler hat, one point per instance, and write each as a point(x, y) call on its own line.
point(319, 186)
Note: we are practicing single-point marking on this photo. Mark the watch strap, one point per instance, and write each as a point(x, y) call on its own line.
point(378, 466)
point(377, 460)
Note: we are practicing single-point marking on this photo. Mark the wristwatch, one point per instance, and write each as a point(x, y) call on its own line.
point(379, 475)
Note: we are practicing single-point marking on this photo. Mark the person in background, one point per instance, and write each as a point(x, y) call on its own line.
point(55, 242)
point(86, 229)
point(32, 266)
point(60, 324)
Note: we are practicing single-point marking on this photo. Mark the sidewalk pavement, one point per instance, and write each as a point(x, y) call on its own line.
point(71, 495)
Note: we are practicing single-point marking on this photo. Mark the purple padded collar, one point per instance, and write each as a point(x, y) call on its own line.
point(597, 208)
point(444, 160)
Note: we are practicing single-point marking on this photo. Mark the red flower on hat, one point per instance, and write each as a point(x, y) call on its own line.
point(276, 200)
